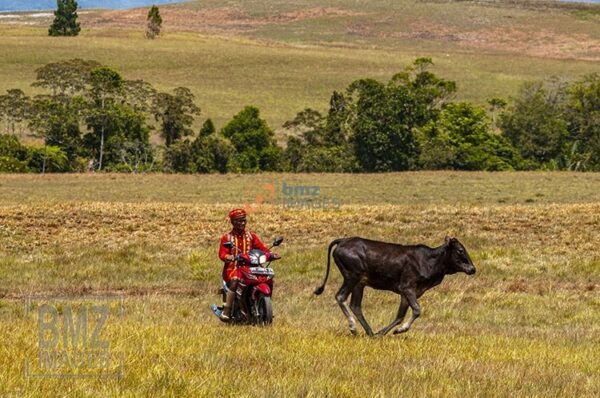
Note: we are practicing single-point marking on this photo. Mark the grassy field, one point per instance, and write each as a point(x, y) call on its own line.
point(527, 324)
point(284, 56)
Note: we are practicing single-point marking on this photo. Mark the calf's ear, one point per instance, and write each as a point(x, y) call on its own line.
point(447, 239)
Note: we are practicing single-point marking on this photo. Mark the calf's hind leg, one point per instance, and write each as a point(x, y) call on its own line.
point(355, 306)
point(341, 297)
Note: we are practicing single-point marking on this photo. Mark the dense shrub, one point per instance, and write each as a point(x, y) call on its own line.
point(13, 156)
point(11, 165)
point(461, 139)
point(48, 159)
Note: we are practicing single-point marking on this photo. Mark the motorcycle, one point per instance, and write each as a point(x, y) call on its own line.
point(252, 304)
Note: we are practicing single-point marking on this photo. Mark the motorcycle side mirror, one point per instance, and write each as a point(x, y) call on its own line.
point(228, 245)
point(278, 241)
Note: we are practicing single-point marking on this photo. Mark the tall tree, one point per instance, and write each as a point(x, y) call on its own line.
point(319, 144)
point(208, 128)
point(14, 108)
point(382, 126)
point(310, 125)
point(106, 87)
point(211, 151)
point(140, 95)
point(118, 137)
point(65, 19)
point(154, 22)
point(55, 118)
point(383, 117)
point(583, 119)
point(65, 78)
point(253, 140)
point(534, 122)
point(175, 113)
point(57, 123)
point(335, 128)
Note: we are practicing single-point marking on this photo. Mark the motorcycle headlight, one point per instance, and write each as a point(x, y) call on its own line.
point(262, 259)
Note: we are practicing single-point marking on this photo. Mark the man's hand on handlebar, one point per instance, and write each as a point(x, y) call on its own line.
point(274, 256)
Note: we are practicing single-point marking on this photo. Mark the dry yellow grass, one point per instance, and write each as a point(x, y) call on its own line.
point(526, 324)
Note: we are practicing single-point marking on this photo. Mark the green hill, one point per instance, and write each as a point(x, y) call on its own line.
point(284, 56)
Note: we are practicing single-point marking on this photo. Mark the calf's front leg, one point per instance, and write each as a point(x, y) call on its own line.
point(399, 317)
point(411, 297)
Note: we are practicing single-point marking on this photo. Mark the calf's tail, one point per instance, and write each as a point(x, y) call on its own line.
point(321, 288)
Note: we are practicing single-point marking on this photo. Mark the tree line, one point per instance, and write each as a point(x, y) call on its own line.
point(91, 118)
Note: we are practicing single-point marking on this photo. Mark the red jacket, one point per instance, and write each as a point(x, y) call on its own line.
point(245, 241)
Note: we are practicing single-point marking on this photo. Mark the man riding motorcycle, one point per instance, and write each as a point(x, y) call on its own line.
point(243, 241)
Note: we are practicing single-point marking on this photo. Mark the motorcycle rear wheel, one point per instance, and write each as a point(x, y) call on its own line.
point(264, 310)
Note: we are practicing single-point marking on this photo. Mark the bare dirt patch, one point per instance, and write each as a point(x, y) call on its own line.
point(543, 43)
point(225, 20)
point(312, 13)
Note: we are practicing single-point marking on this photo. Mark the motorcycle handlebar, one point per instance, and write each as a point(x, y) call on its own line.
point(241, 257)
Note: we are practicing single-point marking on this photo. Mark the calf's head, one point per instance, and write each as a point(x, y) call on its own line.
point(458, 260)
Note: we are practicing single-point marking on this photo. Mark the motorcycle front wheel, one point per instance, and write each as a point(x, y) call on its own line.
point(264, 310)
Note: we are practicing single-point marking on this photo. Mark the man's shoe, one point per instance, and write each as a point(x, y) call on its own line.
point(220, 313)
point(217, 310)
point(224, 318)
